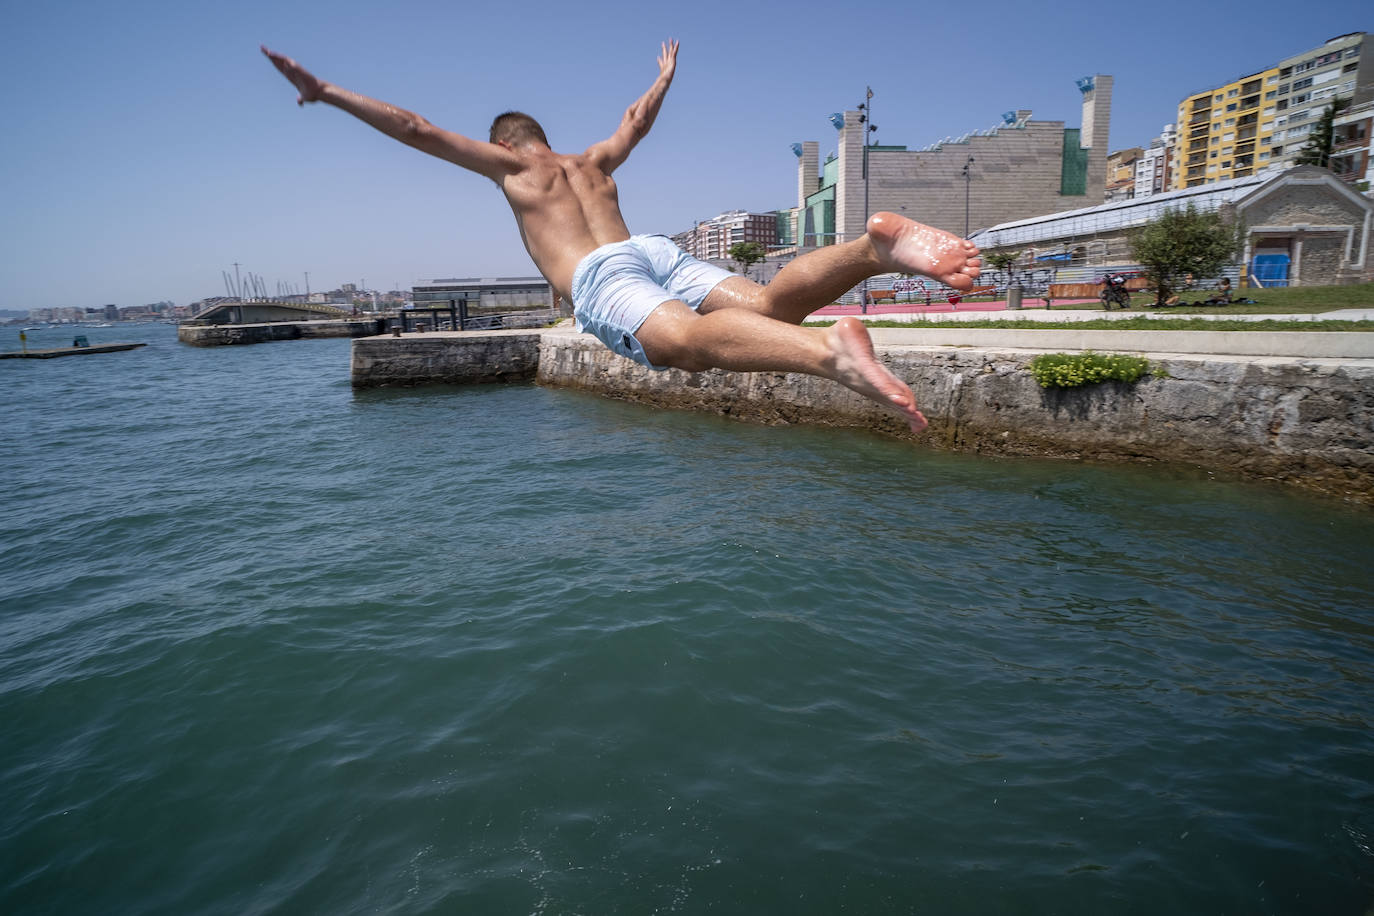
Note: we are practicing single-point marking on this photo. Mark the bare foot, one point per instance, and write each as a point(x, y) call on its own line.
point(913, 248)
point(857, 368)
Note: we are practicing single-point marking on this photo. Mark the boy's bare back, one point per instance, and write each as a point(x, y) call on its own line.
point(566, 207)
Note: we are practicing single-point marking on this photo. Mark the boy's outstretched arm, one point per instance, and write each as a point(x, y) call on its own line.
point(639, 117)
point(484, 158)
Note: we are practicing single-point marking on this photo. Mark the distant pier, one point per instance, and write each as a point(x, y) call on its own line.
point(83, 350)
point(222, 335)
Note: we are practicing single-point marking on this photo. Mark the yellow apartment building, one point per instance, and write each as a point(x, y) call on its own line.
point(1226, 132)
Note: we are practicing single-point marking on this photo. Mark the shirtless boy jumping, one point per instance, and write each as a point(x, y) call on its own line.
point(644, 297)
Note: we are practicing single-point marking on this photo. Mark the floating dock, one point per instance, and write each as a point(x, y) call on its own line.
point(54, 352)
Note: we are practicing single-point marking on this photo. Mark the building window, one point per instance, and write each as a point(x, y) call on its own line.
point(1233, 93)
point(1226, 164)
point(1270, 94)
point(1302, 83)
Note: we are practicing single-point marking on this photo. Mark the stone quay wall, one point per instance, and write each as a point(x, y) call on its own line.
point(445, 357)
point(1306, 421)
point(220, 335)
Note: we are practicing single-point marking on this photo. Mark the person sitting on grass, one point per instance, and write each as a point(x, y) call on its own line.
point(1223, 294)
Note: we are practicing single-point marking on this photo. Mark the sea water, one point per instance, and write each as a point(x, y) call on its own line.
point(271, 645)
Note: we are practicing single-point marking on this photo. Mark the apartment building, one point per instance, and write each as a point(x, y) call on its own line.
point(1352, 145)
point(1307, 83)
point(713, 238)
point(1154, 168)
point(1121, 167)
point(1221, 132)
point(1261, 120)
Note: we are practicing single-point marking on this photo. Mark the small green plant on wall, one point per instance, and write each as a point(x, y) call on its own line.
point(1070, 370)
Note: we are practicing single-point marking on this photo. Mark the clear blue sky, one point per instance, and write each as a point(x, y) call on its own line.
point(148, 145)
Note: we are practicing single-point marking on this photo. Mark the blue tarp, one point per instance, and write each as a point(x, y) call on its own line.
point(1269, 269)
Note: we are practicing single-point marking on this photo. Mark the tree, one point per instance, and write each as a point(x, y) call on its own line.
point(1317, 149)
point(1184, 242)
point(1001, 261)
point(746, 253)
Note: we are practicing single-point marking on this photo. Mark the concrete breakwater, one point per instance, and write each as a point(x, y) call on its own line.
point(219, 335)
point(1304, 420)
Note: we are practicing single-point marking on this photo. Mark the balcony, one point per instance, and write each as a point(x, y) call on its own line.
point(1247, 133)
point(1352, 139)
point(1197, 171)
point(1197, 159)
point(1252, 102)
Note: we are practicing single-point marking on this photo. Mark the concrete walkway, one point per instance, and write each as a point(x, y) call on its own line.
point(997, 311)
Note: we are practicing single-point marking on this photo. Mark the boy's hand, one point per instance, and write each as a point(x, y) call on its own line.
point(305, 82)
point(667, 60)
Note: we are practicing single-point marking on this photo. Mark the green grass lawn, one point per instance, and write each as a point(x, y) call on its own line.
point(1303, 299)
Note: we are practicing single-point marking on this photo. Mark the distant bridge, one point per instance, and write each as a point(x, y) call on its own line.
point(262, 311)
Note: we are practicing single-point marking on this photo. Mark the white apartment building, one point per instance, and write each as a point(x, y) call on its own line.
point(712, 239)
point(1306, 84)
point(1152, 169)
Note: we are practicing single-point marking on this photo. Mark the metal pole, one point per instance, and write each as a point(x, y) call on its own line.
point(967, 178)
point(866, 125)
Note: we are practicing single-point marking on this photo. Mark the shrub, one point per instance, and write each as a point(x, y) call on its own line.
point(1069, 370)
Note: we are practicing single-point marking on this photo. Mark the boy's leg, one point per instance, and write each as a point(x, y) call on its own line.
point(818, 278)
point(742, 340)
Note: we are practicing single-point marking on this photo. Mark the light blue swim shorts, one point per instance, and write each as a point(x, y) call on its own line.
point(616, 287)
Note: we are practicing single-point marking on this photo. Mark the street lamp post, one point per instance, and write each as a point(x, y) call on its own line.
point(866, 121)
point(966, 187)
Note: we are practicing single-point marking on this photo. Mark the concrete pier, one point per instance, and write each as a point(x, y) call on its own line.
point(1305, 417)
point(220, 335)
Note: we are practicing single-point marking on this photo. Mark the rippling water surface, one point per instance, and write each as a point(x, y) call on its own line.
point(267, 645)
